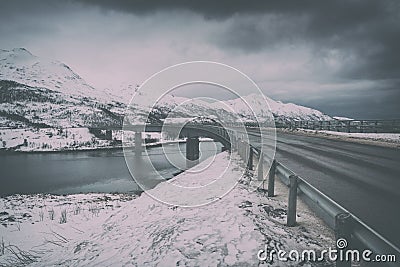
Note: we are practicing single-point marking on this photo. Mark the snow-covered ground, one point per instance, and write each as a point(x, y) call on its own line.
point(50, 139)
point(121, 230)
point(381, 137)
point(342, 118)
point(32, 226)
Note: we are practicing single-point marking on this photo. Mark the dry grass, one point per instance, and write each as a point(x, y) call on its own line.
point(51, 214)
point(63, 218)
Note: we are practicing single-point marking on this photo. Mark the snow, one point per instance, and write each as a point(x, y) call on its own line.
point(251, 107)
point(32, 222)
point(120, 230)
point(279, 109)
point(245, 109)
point(239, 105)
point(21, 66)
point(49, 139)
point(124, 94)
point(342, 118)
point(49, 92)
point(50, 95)
point(383, 137)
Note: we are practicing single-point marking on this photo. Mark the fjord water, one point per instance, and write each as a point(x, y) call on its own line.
point(83, 171)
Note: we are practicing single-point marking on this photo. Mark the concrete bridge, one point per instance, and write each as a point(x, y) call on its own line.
point(191, 131)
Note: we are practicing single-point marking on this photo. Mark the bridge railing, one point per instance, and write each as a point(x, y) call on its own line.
point(346, 225)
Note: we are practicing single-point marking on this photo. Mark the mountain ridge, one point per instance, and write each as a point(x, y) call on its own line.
point(55, 92)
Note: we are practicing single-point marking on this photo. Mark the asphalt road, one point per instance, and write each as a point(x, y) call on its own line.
point(364, 179)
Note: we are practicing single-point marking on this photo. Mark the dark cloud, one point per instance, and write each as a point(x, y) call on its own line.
point(367, 30)
point(345, 10)
point(21, 19)
point(331, 41)
point(363, 107)
point(370, 102)
point(29, 9)
point(210, 9)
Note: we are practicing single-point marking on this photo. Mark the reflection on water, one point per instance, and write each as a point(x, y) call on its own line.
point(145, 167)
point(89, 171)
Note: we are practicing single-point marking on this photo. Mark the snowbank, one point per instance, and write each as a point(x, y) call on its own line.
point(49, 139)
point(118, 230)
point(381, 137)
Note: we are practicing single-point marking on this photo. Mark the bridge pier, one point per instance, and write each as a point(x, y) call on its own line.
point(138, 143)
point(108, 134)
point(234, 142)
point(192, 151)
point(250, 158)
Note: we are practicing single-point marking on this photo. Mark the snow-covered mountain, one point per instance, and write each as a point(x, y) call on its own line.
point(23, 105)
point(248, 108)
point(46, 93)
point(21, 66)
point(281, 111)
point(41, 92)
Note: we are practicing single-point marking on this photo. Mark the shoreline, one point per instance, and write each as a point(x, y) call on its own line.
point(90, 149)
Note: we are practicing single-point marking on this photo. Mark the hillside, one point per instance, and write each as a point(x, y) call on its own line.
point(21, 66)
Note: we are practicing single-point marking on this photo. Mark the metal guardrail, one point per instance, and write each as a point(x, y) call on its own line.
point(358, 234)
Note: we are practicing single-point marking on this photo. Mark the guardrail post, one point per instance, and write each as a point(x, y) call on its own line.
point(292, 203)
point(343, 229)
point(260, 170)
point(271, 179)
point(250, 159)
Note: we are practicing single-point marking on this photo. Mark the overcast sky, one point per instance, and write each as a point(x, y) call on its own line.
point(341, 57)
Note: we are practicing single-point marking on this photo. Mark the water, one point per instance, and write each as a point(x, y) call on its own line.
point(84, 171)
